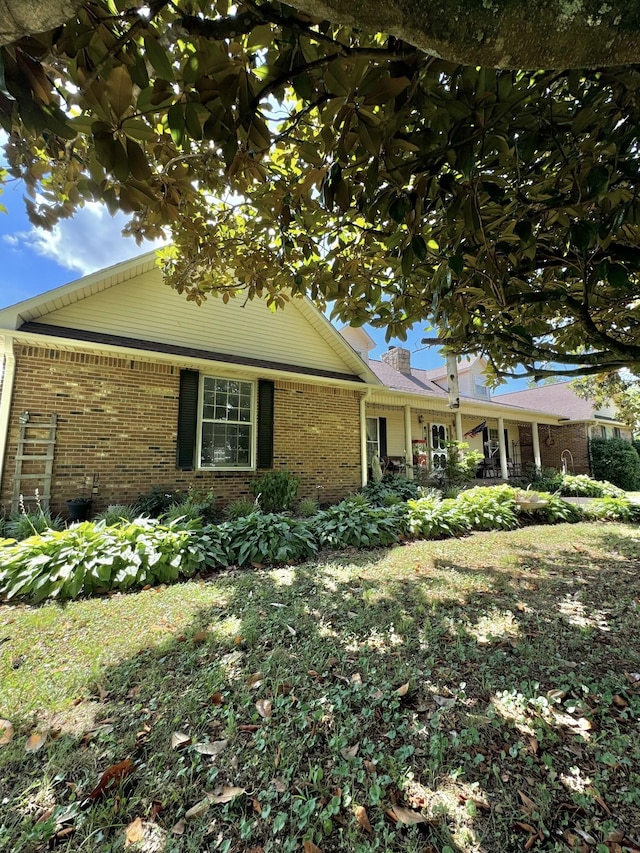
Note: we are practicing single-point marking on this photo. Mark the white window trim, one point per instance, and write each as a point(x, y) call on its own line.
point(253, 422)
point(377, 420)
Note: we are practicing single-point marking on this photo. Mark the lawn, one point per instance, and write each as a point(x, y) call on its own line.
point(468, 695)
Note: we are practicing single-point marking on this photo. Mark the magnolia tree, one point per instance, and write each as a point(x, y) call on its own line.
point(291, 152)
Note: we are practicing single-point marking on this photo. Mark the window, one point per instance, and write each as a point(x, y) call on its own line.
point(617, 432)
point(227, 423)
point(603, 432)
point(373, 438)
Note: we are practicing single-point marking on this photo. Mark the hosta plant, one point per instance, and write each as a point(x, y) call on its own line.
point(264, 538)
point(354, 522)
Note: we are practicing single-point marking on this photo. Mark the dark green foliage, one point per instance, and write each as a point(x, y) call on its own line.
point(382, 493)
point(158, 500)
point(573, 485)
point(433, 518)
point(264, 538)
point(239, 508)
point(617, 461)
point(308, 507)
point(611, 509)
point(354, 522)
point(196, 504)
point(89, 557)
point(491, 508)
point(21, 525)
point(117, 513)
point(276, 491)
point(554, 510)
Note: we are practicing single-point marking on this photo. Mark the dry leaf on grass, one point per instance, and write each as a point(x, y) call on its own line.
point(112, 777)
point(263, 707)
point(199, 810)
point(402, 691)
point(225, 794)
point(134, 832)
point(363, 819)
point(255, 680)
point(6, 732)
point(217, 699)
point(310, 847)
point(179, 828)
point(212, 748)
point(351, 751)
point(179, 739)
point(200, 637)
point(402, 815)
point(35, 742)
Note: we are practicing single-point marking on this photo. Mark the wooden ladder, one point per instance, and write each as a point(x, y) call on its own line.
point(34, 461)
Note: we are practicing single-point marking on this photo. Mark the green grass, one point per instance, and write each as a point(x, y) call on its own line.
point(486, 685)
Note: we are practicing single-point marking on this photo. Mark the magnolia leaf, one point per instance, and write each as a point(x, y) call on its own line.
point(199, 810)
point(263, 707)
point(310, 847)
point(6, 732)
point(179, 739)
point(119, 89)
point(134, 832)
point(179, 828)
point(35, 742)
point(212, 748)
point(351, 751)
point(407, 816)
point(112, 777)
point(225, 794)
point(402, 691)
point(255, 680)
point(363, 819)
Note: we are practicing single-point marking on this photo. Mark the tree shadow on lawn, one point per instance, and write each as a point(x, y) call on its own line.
point(494, 702)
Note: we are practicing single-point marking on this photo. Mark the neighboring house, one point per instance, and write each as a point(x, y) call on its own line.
point(116, 383)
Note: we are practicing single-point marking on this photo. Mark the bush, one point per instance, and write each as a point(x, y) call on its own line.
point(196, 504)
point(617, 461)
point(264, 538)
point(554, 509)
point(276, 491)
point(23, 524)
point(581, 485)
point(158, 500)
point(462, 463)
point(117, 513)
point(240, 508)
point(308, 507)
point(89, 557)
point(390, 490)
point(489, 508)
point(433, 518)
point(610, 509)
point(354, 522)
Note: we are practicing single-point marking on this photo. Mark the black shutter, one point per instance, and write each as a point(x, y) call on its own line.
point(382, 428)
point(506, 442)
point(187, 419)
point(485, 442)
point(265, 423)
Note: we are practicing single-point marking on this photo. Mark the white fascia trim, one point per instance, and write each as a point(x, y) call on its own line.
point(8, 376)
point(223, 368)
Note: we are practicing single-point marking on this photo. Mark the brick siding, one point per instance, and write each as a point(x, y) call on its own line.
point(117, 427)
point(553, 440)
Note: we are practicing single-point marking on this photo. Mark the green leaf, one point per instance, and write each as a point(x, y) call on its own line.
point(456, 264)
point(119, 89)
point(617, 275)
point(158, 57)
point(419, 247)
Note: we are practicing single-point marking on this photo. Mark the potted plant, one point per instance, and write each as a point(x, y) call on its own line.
point(78, 509)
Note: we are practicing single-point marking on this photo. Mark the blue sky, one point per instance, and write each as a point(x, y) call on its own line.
point(33, 261)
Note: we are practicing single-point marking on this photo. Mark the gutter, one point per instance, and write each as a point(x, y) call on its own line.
point(363, 435)
point(6, 394)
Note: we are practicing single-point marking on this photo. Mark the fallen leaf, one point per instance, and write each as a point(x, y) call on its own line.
point(370, 766)
point(363, 819)
point(529, 806)
point(402, 691)
point(225, 794)
point(112, 777)
point(278, 756)
point(525, 827)
point(402, 815)
point(255, 680)
point(179, 739)
point(356, 678)
point(257, 805)
point(263, 707)
point(618, 701)
point(35, 742)
point(351, 751)
point(199, 810)
point(156, 808)
point(443, 701)
point(248, 727)
point(310, 847)
point(217, 699)
point(584, 724)
point(134, 832)
point(211, 748)
point(279, 784)
point(6, 732)
point(201, 637)
point(63, 833)
point(534, 745)
point(179, 828)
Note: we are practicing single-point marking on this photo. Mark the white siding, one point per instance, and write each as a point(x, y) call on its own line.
point(146, 308)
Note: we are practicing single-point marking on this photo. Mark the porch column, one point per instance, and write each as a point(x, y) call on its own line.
point(537, 458)
point(459, 435)
point(407, 443)
point(504, 468)
point(363, 437)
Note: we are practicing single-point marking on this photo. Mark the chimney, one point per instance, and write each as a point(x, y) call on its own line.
point(399, 358)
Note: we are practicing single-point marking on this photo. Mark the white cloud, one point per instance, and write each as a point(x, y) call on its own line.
point(89, 241)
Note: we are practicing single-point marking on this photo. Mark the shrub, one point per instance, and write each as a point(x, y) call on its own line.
point(391, 489)
point(489, 508)
point(276, 491)
point(240, 508)
point(264, 538)
point(89, 557)
point(158, 500)
point(196, 504)
point(23, 524)
point(433, 518)
point(308, 507)
point(581, 485)
point(610, 509)
point(617, 461)
point(354, 522)
point(462, 463)
point(553, 510)
point(117, 513)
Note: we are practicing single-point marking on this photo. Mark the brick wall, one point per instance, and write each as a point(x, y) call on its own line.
point(553, 440)
point(117, 422)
